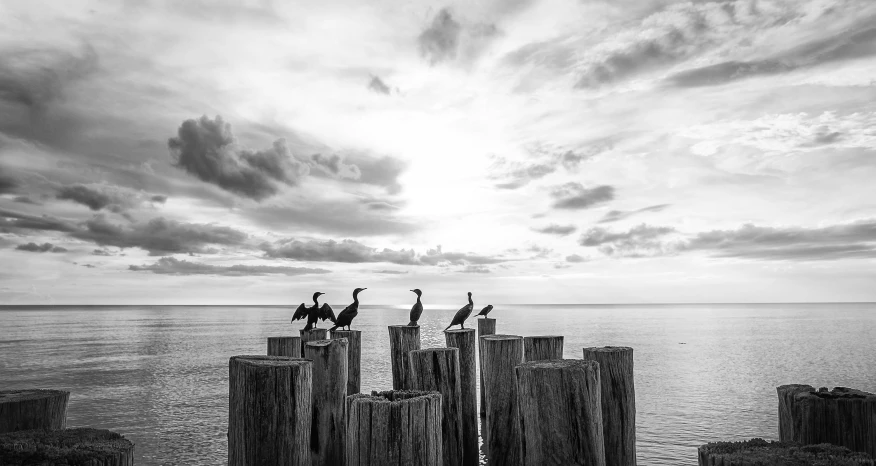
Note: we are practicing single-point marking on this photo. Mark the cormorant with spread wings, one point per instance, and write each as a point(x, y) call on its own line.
point(314, 312)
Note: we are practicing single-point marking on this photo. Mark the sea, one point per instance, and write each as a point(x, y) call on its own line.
point(703, 372)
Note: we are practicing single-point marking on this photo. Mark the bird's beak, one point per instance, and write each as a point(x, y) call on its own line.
point(410, 290)
point(364, 288)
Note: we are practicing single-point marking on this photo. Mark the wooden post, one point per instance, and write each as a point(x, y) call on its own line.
point(329, 393)
point(762, 453)
point(33, 409)
point(464, 341)
point(437, 370)
point(560, 412)
point(486, 326)
point(397, 428)
point(284, 346)
point(402, 340)
point(842, 416)
point(618, 402)
point(502, 353)
point(354, 358)
point(269, 410)
point(542, 347)
point(314, 334)
point(70, 446)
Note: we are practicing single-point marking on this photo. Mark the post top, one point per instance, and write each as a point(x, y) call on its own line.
point(322, 343)
point(808, 391)
point(546, 337)
point(283, 336)
point(395, 396)
point(500, 337)
point(269, 361)
point(608, 349)
point(345, 331)
point(412, 327)
point(87, 443)
point(460, 330)
point(436, 350)
point(559, 364)
point(8, 396)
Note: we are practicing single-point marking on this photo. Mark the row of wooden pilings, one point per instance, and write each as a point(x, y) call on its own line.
point(302, 405)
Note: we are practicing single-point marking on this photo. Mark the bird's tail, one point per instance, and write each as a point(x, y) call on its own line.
point(412, 323)
point(451, 325)
point(333, 328)
point(308, 326)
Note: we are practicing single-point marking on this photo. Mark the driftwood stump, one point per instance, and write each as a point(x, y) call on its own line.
point(464, 341)
point(486, 326)
point(542, 347)
point(618, 402)
point(65, 447)
point(437, 370)
point(759, 452)
point(33, 409)
point(842, 416)
point(354, 358)
point(560, 412)
point(502, 353)
point(396, 428)
point(314, 334)
point(269, 411)
point(402, 340)
point(329, 394)
point(284, 346)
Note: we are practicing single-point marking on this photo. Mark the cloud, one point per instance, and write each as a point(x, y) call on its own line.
point(350, 251)
point(554, 229)
point(517, 175)
point(7, 184)
point(173, 266)
point(390, 272)
point(335, 166)
point(158, 198)
point(377, 85)
point(615, 215)
point(440, 41)
point(476, 269)
point(640, 241)
point(94, 199)
point(12, 220)
point(382, 171)
point(25, 200)
point(33, 79)
point(575, 258)
point(45, 247)
point(101, 252)
point(573, 195)
point(348, 217)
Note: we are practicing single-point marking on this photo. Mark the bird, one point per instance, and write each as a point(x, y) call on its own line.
point(485, 311)
point(346, 316)
point(462, 314)
point(314, 312)
point(417, 309)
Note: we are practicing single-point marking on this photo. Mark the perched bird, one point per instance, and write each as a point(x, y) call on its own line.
point(485, 311)
point(462, 314)
point(346, 316)
point(417, 309)
point(314, 312)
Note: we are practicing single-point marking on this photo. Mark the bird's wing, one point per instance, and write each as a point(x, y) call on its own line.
point(326, 312)
point(300, 313)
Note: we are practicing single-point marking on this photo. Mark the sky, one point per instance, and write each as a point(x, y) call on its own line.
point(528, 151)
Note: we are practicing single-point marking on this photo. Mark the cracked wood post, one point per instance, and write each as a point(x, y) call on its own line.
point(354, 358)
point(486, 326)
point(329, 393)
point(618, 402)
point(65, 446)
point(284, 346)
point(314, 334)
point(762, 453)
point(402, 340)
point(560, 412)
point(395, 428)
point(542, 347)
point(437, 370)
point(269, 410)
point(464, 341)
point(33, 409)
point(502, 353)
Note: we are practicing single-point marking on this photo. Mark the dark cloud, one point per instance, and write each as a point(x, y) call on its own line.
point(334, 166)
point(173, 266)
point(8, 184)
point(354, 217)
point(554, 229)
point(25, 200)
point(640, 241)
point(440, 41)
point(575, 258)
point(158, 198)
point(95, 200)
point(476, 269)
point(615, 215)
point(379, 171)
point(350, 251)
point(575, 196)
point(13, 220)
point(113, 198)
point(377, 85)
point(33, 79)
point(101, 252)
point(45, 247)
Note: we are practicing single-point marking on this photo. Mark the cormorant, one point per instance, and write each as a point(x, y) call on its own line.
point(485, 311)
point(462, 314)
point(346, 316)
point(314, 312)
point(417, 309)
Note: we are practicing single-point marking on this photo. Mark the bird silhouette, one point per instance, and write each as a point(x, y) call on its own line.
point(314, 312)
point(346, 316)
point(417, 309)
point(462, 314)
point(485, 310)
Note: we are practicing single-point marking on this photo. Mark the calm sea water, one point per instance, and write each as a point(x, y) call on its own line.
point(159, 375)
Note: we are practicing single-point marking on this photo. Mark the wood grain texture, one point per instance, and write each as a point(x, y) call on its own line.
point(543, 347)
point(396, 428)
point(486, 326)
point(842, 416)
point(81, 446)
point(327, 433)
point(33, 409)
point(354, 358)
point(759, 452)
point(312, 335)
point(464, 341)
point(437, 370)
point(269, 410)
point(284, 346)
point(402, 340)
point(560, 412)
point(501, 354)
point(618, 402)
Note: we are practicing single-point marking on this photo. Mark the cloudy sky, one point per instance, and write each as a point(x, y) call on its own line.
point(529, 151)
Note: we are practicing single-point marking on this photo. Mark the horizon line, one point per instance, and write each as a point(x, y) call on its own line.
point(451, 304)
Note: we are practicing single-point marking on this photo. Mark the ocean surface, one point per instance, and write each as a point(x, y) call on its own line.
point(159, 375)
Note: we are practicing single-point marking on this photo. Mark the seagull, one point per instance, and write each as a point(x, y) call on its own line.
point(346, 316)
point(462, 314)
point(417, 309)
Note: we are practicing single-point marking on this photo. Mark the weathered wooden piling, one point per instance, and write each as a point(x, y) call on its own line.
point(354, 358)
point(618, 402)
point(486, 326)
point(33, 409)
point(269, 410)
point(314, 334)
point(842, 416)
point(542, 347)
point(67, 446)
point(284, 346)
point(397, 428)
point(402, 340)
point(464, 341)
point(762, 453)
point(329, 394)
point(502, 353)
point(560, 412)
point(437, 370)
